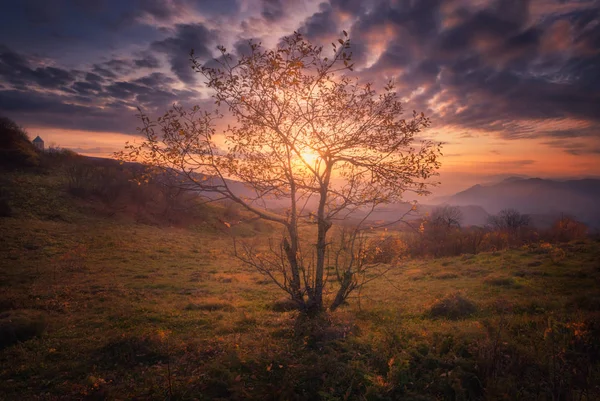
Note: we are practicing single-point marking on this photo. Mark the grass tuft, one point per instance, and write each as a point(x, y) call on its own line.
point(501, 281)
point(453, 306)
point(284, 305)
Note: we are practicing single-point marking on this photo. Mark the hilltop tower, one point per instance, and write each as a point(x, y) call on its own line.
point(38, 143)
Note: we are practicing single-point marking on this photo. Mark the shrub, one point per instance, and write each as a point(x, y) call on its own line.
point(567, 229)
point(385, 250)
point(453, 306)
point(130, 351)
point(501, 281)
point(20, 325)
point(284, 305)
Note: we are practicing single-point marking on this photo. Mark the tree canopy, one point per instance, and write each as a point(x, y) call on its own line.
point(304, 132)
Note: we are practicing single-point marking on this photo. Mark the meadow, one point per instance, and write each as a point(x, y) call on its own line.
point(102, 307)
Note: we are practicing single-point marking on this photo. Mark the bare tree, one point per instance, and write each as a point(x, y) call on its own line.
point(305, 134)
point(446, 217)
point(510, 220)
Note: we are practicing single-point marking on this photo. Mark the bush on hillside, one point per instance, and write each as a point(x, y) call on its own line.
point(16, 150)
point(567, 229)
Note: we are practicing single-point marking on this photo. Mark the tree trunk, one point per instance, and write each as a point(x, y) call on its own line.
point(345, 289)
point(316, 303)
point(292, 250)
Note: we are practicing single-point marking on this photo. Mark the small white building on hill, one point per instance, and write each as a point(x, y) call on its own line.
point(38, 143)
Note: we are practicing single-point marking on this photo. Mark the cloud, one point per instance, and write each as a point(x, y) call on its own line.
point(91, 77)
point(166, 13)
point(87, 88)
point(321, 25)
point(98, 70)
point(508, 164)
point(272, 10)
point(178, 47)
point(576, 148)
point(18, 71)
point(148, 61)
point(101, 99)
point(488, 67)
point(482, 66)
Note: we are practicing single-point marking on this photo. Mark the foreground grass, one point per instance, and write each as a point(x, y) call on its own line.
point(94, 308)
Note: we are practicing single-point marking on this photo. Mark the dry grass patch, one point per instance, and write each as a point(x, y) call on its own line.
point(453, 306)
point(501, 281)
point(445, 276)
point(284, 305)
point(210, 307)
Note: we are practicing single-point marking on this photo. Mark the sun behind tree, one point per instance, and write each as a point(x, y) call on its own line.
point(301, 124)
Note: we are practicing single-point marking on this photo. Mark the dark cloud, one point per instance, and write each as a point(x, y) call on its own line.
point(242, 47)
point(125, 90)
point(575, 148)
point(162, 10)
point(118, 66)
point(91, 77)
point(148, 61)
point(178, 47)
point(155, 80)
point(84, 100)
point(18, 71)
point(87, 88)
point(272, 10)
point(492, 67)
point(321, 24)
point(82, 111)
point(168, 11)
point(52, 107)
point(104, 72)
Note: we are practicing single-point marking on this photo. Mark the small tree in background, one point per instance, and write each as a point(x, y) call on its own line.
point(442, 232)
point(566, 229)
point(510, 228)
point(446, 217)
point(305, 134)
point(509, 220)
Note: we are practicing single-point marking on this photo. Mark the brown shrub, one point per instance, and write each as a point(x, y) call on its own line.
point(567, 229)
point(453, 306)
point(501, 281)
point(284, 305)
point(20, 325)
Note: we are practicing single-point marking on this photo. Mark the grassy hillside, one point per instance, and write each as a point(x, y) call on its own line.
point(97, 307)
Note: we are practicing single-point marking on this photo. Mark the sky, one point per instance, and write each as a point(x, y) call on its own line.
point(512, 87)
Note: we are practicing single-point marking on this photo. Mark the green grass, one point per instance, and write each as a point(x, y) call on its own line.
point(127, 309)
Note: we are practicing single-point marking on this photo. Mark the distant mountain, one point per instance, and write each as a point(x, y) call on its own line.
point(545, 200)
point(536, 196)
point(472, 215)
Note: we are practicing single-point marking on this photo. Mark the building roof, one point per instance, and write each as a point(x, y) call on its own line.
point(38, 139)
